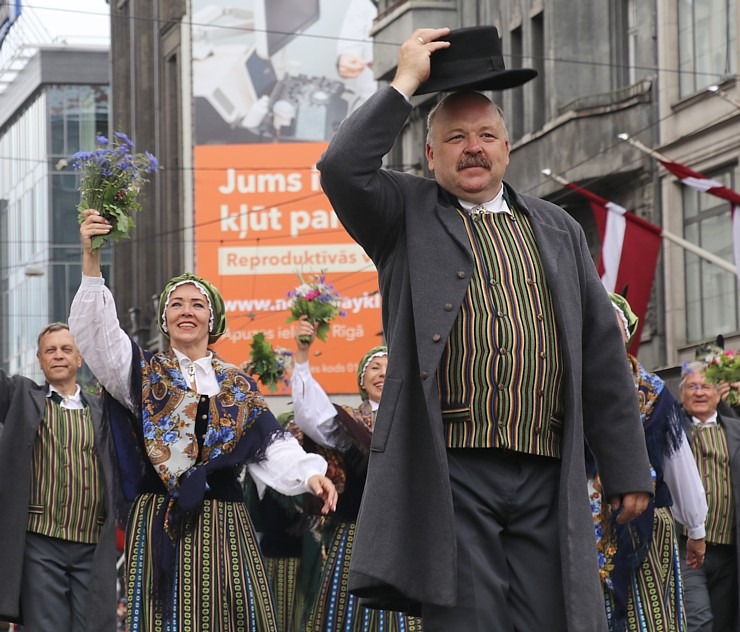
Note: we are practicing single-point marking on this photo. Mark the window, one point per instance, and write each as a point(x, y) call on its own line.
point(711, 292)
point(706, 42)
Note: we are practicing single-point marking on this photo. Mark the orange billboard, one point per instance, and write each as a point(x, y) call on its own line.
point(272, 82)
point(260, 219)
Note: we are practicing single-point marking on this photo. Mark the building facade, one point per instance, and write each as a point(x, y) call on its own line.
point(52, 105)
point(609, 68)
point(606, 68)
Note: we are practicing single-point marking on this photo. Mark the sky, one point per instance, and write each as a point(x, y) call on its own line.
point(79, 22)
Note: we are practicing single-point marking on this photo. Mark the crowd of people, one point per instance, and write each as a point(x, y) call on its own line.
point(509, 467)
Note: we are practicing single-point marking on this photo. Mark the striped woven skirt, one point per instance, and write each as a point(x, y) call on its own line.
point(655, 599)
point(220, 582)
point(282, 573)
point(336, 610)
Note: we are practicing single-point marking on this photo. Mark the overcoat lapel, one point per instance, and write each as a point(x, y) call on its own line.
point(436, 298)
point(38, 397)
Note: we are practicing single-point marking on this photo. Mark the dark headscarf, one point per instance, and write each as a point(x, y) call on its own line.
point(217, 322)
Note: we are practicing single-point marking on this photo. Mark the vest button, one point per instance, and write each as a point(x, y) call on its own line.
point(436, 337)
point(460, 274)
point(423, 375)
point(448, 307)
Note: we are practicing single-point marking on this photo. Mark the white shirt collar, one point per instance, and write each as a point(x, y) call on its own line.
point(205, 364)
point(712, 421)
point(496, 205)
point(205, 377)
point(73, 401)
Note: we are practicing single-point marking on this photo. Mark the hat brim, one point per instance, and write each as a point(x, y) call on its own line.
point(496, 80)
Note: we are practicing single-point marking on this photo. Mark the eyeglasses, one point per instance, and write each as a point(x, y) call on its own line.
point(696, 388)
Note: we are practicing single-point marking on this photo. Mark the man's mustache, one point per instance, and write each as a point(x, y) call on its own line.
point(476, 160)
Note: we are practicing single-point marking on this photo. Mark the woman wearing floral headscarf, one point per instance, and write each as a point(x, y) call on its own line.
point(184, 421)
point(347, 431)
point(639, 564)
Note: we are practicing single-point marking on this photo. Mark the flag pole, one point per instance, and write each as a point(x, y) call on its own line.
point(679, 241)
point(715, 89)
point(643, 148)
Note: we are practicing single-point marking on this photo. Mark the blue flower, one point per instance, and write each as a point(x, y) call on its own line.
point(124, 138)
point(226, 434)
point(169, 437)
point(149, 430)
point(215, 452)
point(211, 437)
point(165, 421)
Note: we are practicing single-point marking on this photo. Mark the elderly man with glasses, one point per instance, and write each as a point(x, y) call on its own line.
point(711, 592)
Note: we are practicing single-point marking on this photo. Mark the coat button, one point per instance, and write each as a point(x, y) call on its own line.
point(460, 274)
point(424, 375)
point(448, 307)
point(436, 337)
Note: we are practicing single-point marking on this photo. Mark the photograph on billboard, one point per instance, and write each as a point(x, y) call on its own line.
point(272, 82)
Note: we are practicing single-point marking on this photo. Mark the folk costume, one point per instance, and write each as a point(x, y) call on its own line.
point(55, 455)
point(193, 559)
point(639, 563)
point(711, 592)
point(420, 242)
point(347, 432)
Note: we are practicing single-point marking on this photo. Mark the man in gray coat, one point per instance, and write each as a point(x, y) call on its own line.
point(504, 358)
point(57, 530)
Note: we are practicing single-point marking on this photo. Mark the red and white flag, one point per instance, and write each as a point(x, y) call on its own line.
point(697, 181)
point(630, 247)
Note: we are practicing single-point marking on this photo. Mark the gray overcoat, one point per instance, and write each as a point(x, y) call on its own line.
point(22, 404)
point(405, 552)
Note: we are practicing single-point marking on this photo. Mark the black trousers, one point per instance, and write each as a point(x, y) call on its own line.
point(711, 592)
point(508, 550)
point(54, 588)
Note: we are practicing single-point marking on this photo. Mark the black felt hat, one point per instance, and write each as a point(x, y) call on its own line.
point(473, 61)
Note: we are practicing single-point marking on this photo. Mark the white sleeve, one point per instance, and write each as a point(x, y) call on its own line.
point(314, 412)
point(104, 346)
point(689, 498)
point(286, 468)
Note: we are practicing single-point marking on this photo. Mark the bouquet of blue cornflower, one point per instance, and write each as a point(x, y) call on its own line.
point(319, 301)
point(112, 177)
point(268, 364)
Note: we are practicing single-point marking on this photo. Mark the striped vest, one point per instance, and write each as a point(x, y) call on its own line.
point(709, 445)
point(67, 497)
point(501, 371)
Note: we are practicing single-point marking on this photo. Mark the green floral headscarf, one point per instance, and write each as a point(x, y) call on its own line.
point(375, 352)
point(632, 320)
point(217, 322)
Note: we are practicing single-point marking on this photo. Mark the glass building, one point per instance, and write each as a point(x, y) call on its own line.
point(54, 107)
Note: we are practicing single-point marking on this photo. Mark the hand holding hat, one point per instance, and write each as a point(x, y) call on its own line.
point(414, 59)
point(471, 58)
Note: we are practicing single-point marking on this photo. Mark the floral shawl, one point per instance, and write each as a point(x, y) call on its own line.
point(168, 416)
